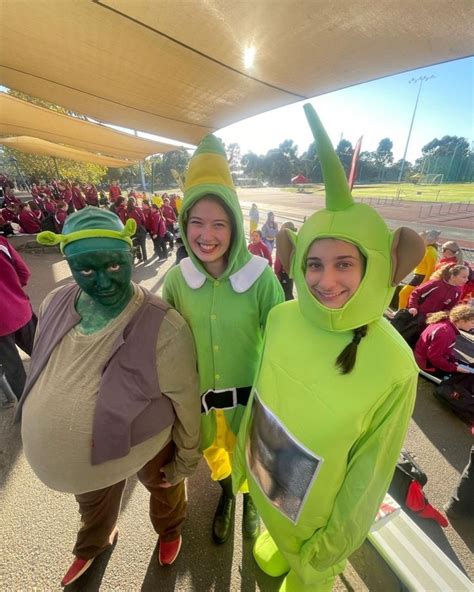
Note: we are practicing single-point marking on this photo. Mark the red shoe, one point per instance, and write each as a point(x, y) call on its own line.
point(169, 551)
point(78, 567)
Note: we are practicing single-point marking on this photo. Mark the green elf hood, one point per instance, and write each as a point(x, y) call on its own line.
point(356, 223)
point(208, 174)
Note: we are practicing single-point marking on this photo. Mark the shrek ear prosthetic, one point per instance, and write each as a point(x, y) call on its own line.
point(389, 256)
point(92, 223)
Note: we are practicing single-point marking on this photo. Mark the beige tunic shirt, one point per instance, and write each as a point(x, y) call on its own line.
point(58, 413)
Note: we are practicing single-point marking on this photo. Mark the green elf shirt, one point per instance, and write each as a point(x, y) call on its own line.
point(227, 315)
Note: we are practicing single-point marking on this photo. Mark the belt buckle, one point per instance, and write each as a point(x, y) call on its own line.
point(233, 390)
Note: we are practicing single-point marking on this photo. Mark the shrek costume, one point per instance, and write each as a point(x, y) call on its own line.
point(227, 316)
point(318, 447)
point(112, 390)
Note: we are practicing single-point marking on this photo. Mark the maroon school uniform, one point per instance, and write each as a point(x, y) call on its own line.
point(261, 250)
point(78, 200)
point(90, 193)
point(29, 223)
point(434, 348)
point(59, 219)
point(434, 296)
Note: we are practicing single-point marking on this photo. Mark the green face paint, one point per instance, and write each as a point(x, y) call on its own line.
point(105, 276)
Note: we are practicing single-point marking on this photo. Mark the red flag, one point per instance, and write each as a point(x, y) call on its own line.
point(355, 162)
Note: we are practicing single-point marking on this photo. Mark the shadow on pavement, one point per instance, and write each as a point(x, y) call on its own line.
point(446, 431)
point(10, 444)
point(252, 575)
point(91, 581)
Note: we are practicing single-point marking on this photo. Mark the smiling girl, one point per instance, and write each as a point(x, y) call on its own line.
point(335, 389)
point(225, 294)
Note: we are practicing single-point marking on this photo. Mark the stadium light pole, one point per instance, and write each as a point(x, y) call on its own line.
point(420, 80)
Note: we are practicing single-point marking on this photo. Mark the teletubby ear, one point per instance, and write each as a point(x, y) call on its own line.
point(285, 245)
point(408, 249)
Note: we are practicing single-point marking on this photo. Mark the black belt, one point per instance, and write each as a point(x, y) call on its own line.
point(225, 399)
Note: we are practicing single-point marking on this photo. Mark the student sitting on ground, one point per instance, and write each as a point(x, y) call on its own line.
point(452, 254)
point(258, 247)
point(439, 294)
point(434, 348)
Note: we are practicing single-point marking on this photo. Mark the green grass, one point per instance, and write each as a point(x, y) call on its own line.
point(407, 191)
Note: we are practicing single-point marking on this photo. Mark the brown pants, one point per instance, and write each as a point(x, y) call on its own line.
point(100, 509)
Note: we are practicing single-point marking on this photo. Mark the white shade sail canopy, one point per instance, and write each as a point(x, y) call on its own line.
point(23, 118)
point(181, 68)
point(45, 148)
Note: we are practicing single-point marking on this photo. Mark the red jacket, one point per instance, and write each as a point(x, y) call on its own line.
point(434, 296)
point(157, 224)
point(9, 216)
point(434, 348)
point(78, 200)
point(261, 250)
point(14, 274)
point(137, 215)
point(114, 192)
point(59, 219)
point(29, 222)
point(92, 198)
point(168, 214)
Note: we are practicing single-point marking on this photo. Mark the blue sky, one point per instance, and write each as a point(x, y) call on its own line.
point(378, 109)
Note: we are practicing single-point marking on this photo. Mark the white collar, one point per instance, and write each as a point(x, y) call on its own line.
point(240, 281)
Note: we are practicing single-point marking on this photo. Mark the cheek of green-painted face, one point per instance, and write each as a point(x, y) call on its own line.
point(105, 276)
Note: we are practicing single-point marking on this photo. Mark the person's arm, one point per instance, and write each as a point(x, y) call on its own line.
point(267, 254)
point(176, 359)
point(370, 468)
point(168, 291)
point(19, 264)
point(420, 294)
point(439, 350)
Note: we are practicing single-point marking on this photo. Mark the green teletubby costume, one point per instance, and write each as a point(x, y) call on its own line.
point(319, 447)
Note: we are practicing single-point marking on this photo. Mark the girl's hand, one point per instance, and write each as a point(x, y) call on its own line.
point(413, 311)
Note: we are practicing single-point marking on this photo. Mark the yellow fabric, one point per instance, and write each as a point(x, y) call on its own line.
point(21, 118)
point(426, 267)
point(179, 71)
point(208, 168)
point(404, 296)
point(253, 225)
point(37, 146)
point(219, 455)
point(157, 200)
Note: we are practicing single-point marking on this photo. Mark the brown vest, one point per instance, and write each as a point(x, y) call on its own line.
point(130, 407)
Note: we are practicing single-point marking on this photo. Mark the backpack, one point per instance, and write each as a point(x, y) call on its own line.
point(457, 393)
point(407, 488)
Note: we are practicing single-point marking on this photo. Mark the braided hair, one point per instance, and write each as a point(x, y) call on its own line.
point(346, 359)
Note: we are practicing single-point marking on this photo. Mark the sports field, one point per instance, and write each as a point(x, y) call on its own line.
point(449, 192)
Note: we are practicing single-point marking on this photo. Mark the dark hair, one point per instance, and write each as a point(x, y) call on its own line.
point(346, 359)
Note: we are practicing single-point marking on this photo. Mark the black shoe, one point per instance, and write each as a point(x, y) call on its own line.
point(223, 519)
point(250, 519)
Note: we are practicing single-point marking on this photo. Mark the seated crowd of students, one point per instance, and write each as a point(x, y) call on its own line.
point(443, 305)
point(52, 202)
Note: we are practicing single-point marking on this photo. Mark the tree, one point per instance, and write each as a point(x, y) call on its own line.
point(345, 151)
point(253, 165)
point(450, 156)
point(234, 157)
point(384, 154)
point(176, 159)
point(311, 164)
point(35, 167)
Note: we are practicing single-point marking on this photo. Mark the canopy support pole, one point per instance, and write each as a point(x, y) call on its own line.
point(56, 167)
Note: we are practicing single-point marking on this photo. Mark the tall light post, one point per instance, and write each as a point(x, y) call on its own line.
point(420, 80)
